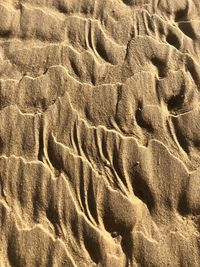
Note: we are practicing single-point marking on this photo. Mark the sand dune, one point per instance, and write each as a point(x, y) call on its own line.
point(99, 133)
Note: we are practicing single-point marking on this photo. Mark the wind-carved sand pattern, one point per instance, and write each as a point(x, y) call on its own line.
point(99, 133)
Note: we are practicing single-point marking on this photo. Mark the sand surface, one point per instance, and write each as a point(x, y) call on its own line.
point(99, 133)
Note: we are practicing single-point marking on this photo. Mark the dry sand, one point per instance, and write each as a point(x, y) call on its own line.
point(99, 133)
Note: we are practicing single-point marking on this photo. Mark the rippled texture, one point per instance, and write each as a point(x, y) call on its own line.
point(99, 133)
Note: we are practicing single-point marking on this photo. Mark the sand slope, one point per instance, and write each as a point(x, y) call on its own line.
point(99, 133)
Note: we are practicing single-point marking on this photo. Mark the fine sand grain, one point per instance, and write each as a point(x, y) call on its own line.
point(99, 133)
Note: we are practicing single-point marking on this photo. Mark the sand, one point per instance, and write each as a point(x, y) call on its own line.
point(99, 133)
